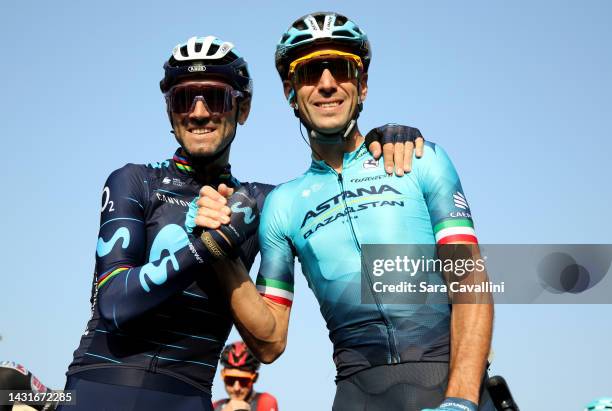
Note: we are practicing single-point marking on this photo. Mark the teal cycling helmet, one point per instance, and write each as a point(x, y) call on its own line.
point(318, 28)
point(600, 404)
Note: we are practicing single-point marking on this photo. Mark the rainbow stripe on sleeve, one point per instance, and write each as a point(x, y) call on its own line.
point(455, 230)
point(275, 290)
point(103, 279)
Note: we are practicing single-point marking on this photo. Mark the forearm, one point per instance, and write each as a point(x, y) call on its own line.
point(126, 292)
point(262, 323)
point(471, 331)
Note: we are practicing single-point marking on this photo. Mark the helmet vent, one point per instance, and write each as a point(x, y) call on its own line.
point(300, 25)
point(285, 37)
point(212, 49)
point(340, 20)
point(301, 37)
point(320, 18)
point(343, 33)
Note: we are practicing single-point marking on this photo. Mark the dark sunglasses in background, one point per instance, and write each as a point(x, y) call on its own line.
point(243, 381)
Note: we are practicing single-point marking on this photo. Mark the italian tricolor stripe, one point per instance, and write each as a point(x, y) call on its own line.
point(276, 290)
point(103, 279)
point(455, 230)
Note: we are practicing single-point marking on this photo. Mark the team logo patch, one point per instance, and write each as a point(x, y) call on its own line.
point(371, 163)
point(460, 201)
point(178, 182)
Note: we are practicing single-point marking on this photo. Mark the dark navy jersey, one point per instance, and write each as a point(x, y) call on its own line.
point(156, 303)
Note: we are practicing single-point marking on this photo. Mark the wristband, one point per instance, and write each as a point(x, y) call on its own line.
point(457, 404)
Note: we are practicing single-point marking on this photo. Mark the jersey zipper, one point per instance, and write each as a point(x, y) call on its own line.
point(392, 341)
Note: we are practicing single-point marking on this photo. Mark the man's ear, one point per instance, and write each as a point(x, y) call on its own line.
point(244, 108)
point(363, 81)
point(289, 92)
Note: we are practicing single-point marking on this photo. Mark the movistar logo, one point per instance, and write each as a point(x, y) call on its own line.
point(105, 247)
point(192, 69)
point(248, 213)
point(166, 244)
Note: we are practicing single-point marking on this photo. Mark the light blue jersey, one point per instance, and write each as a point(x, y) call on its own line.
point(323, 217)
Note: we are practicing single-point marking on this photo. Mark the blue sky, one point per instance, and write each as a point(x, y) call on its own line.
point(518, 93)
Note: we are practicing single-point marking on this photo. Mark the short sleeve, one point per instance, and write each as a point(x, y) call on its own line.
point(276, 275)
point(448, 207)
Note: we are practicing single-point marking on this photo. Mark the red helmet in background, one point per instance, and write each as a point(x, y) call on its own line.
point(237, 355)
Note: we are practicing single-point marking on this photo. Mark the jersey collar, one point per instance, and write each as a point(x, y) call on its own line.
point(349, 159)
point(183, 165)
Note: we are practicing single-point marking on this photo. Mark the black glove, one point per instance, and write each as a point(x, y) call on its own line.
point(392, 133)
point(244, 221)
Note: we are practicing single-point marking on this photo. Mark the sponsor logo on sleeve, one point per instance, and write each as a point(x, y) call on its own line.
point(460, 201)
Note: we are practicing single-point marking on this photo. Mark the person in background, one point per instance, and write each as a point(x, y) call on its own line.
point(239, 374)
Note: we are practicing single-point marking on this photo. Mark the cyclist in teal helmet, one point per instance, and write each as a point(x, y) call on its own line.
point(388, 356)
point(310, 33)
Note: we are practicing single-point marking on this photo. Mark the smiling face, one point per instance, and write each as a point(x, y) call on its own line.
point(202, 134)
point(329, 102)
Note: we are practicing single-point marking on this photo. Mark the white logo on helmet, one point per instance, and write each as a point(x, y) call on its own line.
point(193, 69)
point(326, 31)
point(329, 22)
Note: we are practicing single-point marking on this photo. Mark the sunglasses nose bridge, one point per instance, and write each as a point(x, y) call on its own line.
point(199, 108)
point(327, 80)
